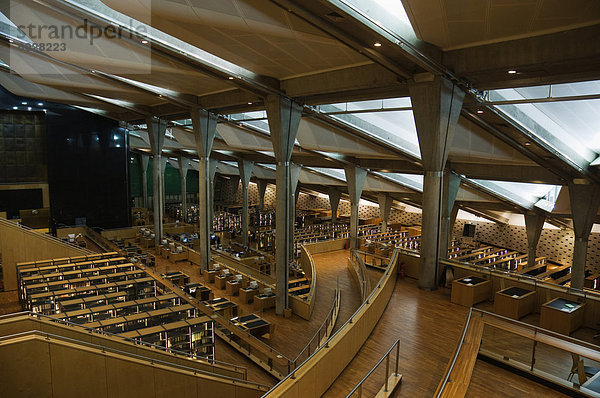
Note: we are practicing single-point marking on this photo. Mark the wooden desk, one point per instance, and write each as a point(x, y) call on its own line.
point(198, 291)
point(262, 302)
point(177, 256)
point(470, 290)
point(247, 295)
point(591, 282)
point(561, 315)
point(222, 306)
point(232, 288)
point(514, 302)
point(209, 275)
point(220, 280)
point(254, 324)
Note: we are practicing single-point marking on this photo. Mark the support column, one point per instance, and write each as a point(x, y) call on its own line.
point(385, 206)
point(294, 190)
point(451, 185)
point(212, 170)
point(334, 202)
point(144, 160)
point(533, 225)
point(163, 168)
point(156, 135)
point(355, 178)
point(262, 189)
point(183, 168)
point(585, 200)
point(205, 127)
point(284, 117)
point(245, 168)
point(436, 105)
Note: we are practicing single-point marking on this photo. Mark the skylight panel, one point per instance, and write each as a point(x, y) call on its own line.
point(338, 174)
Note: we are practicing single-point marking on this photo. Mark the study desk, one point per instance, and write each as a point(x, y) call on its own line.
point(198, 291)
point(263, 302)
point(220, 280)
point(254, 324)
point(247, 295)
point(470, 290)
point(561, 315)
point(232, 287)
point(209, 275)
point(222, 306)
point(514, 302)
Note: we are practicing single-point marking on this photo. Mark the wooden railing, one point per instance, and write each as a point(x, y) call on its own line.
point(304, 307)
point(313, 377)
point(524, 347)
point(359, 273)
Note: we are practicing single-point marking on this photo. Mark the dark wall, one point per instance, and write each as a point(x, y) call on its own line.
point(22, 147)
point(88, 169)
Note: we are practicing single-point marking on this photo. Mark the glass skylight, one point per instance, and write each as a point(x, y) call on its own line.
point(526, 195)
point(575, 123)
point(388, 14)
point(338, 174)
point(412, 181)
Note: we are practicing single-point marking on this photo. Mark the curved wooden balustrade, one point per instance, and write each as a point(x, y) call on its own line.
point(304, 307)
point(472, 344)
point(359, 273)
point(319, 371)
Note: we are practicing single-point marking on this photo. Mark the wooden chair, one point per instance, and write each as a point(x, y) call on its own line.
point(582, 371)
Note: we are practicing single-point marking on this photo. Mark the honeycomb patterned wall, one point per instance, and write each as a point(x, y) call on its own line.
point(554, 244)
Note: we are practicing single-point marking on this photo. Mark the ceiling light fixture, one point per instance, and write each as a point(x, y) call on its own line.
point(377, 44)
point(527, 143)
point(15, 107)
point(23, 103)
point(479, 111)
point(249, 103)
point(230, 77)
point(145, 42)
point(512, 72)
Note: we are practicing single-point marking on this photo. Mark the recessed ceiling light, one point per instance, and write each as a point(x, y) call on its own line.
point(249, 103)
point(528, 143)
point(144, 41)
point(377, 44)
point(479, 111)
point(15, 107)
point(93, 71)
point(40, 104)
point(29, 108)
point(230, 77)
point(23, 103)
point(512, 72)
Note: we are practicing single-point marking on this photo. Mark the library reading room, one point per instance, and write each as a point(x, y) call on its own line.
point(299, 198)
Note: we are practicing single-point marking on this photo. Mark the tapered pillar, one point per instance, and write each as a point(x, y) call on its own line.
point(533, 226)
point(385, 206)
point(183, 168)
point(163, 185)
point(245, 168)
point(212, 170)
point(284, 117)
point(205, 127)
point(436, 104)
point(156, 135)
point(295, 191)
point(585, 200)
point(450, 188)
point(144, 160)
point(355, 178)
point(262, 189)
point(334, 202)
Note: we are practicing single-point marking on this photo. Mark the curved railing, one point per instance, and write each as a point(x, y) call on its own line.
point(324, 331)
point(304, 307)
point(316, 374)
point(360, 273)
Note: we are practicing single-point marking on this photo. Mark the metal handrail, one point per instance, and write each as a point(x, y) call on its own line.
point(130, 354)
point(455, 356)
point(127, 339)
point(44, 236)
point(366, 283)
point(386, 356)
point(329, 320)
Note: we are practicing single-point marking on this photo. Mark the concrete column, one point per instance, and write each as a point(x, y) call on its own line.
point(284, 117)
point(295, 191)
point(245, 168)
point(436, 105)
point(334, 202)
point(385, 206)
point(163, 167)
point(156, 135)
point(205, 127)
point(355, 178)
point(585, 200)
point(183, 168)
point(451, 185)
point(212, 170)
point(533, 225)
point(144, 160)
point(262, 189)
